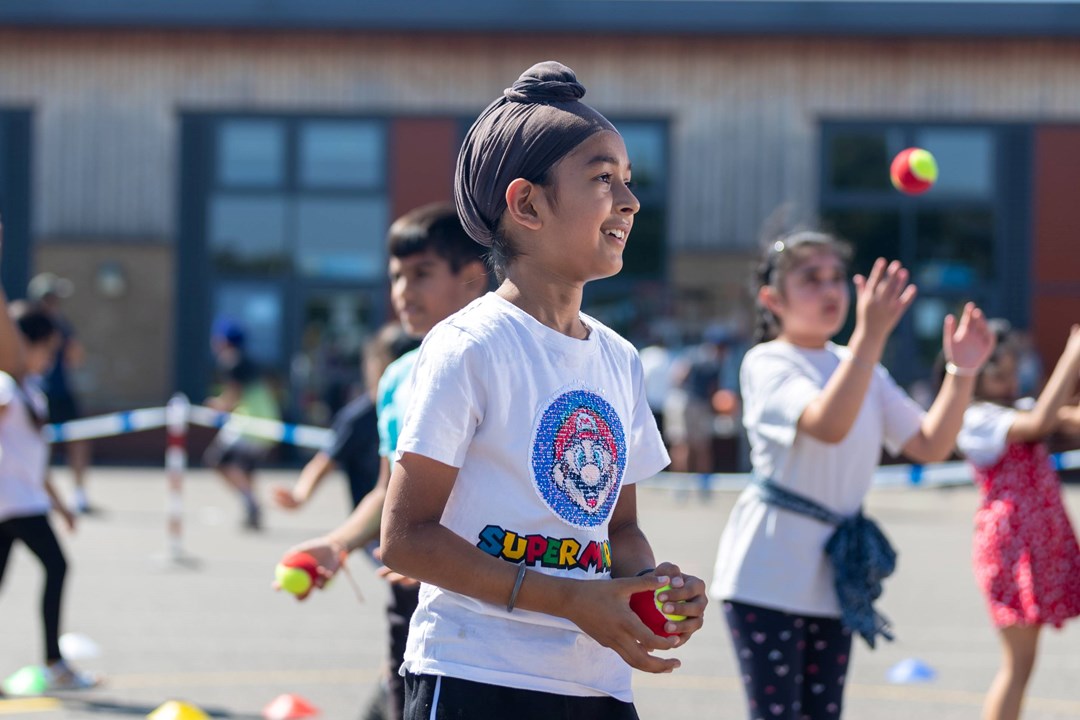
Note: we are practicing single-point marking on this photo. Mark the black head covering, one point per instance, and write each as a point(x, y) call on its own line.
point(521, 135)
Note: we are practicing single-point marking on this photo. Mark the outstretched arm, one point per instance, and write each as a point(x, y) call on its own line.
point(1050, 407)
point(314, 471)
point(967, 346)
point(881, 300)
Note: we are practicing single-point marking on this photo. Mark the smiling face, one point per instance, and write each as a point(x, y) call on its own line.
point(811, 303)
point(587, 211)
point(425, 290)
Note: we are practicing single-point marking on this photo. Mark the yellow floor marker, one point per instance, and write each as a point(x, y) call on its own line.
point(16, 706)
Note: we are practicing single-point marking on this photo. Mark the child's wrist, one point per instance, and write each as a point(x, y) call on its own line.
point(956, 370)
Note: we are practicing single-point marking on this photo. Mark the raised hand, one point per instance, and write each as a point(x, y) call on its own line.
point(968, 342)
point(1072, 345)
point(601, 608)
point(882, 298)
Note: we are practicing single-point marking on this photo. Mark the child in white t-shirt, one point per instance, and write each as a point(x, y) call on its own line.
point(513, 497)
point(816, 416)
point(1026, 556)
point(28, 342)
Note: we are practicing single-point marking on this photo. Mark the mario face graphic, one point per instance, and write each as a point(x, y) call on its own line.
point(579, 455)
point(583, 461)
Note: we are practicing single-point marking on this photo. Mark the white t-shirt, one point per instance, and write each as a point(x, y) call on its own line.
point(775, 558)
point(23, 452)
point(982, 436)
point(545, 430)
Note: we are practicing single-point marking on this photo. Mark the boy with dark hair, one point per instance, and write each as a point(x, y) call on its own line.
point(435, 270)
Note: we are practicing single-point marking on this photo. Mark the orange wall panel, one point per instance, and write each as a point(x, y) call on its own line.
point(423, 152)
point(1056, 220)
point(1055, 262)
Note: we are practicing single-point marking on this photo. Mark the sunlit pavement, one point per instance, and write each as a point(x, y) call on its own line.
point(211, 631)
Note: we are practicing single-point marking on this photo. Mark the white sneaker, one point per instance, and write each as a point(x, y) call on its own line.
point(61, 676)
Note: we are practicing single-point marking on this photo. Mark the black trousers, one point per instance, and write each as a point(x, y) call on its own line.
point(36, 533)
point(793, 666)
point(431, 697)
point(399, 611)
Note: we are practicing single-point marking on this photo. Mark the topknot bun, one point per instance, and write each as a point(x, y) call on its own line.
point(549, 81)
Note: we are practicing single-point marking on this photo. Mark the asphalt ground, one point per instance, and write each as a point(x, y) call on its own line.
point(212, 632)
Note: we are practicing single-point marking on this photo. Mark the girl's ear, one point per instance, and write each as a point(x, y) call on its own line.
point(521, 198)
point(770, 299)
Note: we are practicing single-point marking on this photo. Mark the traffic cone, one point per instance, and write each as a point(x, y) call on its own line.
point(176, 710)
point(289, 707)
point(29, 680)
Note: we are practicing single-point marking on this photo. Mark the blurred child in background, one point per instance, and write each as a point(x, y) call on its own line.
point(1027, 562)
point(235, 451)
point(28, 342)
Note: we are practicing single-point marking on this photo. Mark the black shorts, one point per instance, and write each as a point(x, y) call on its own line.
point(437, 697)
point(241, 453)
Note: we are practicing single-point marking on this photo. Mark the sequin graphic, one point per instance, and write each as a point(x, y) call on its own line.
point(578, 457)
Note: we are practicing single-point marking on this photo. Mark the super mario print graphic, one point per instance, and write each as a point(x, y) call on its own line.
point(578, 457)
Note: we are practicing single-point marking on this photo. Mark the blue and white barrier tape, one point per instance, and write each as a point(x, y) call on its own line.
point(121, 423)
point(936, 475)
point(310, 436)
point(307, 436)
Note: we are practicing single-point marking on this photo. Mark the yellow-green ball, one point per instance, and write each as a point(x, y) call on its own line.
point(660, 606)
point(923, 165)
point(293, 580)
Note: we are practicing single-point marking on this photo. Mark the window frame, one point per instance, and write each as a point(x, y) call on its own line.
point(1006, 293)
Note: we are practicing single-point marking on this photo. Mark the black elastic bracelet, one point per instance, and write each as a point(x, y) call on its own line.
point(646, 571)
point(517, 588)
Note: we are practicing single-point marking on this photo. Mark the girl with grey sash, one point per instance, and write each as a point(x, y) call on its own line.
point(799, 565)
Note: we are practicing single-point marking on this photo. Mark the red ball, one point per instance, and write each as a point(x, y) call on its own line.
point(644, 604)
point(913, 171)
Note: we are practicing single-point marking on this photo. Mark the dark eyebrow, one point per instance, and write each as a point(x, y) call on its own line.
point(607, 160)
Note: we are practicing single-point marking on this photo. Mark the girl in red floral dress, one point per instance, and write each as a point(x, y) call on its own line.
point(1027, 561)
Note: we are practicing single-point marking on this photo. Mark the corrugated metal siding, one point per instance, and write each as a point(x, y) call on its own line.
point(743, 113)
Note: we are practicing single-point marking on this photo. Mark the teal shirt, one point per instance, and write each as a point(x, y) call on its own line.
point(392, 400)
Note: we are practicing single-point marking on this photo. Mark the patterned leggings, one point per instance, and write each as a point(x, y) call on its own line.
point(793, 666)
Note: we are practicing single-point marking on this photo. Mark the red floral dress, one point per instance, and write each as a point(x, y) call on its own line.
point(1027, 561)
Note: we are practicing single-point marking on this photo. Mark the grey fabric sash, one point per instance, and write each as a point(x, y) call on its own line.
point(860, 554)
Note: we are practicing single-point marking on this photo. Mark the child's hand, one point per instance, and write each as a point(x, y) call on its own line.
point(68, 517)
point(286, 498)
point(969, 343)
point(882, 298)
point(328, 555)
point(686, 597)
point(601, 608)
point(1072, 345)
point(396, 578)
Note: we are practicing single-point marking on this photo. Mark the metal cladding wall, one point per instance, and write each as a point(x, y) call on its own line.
point(744, 113)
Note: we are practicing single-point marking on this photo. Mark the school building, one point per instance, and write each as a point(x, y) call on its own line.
point(182, 161)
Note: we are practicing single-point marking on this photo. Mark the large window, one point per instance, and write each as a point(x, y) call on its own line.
point(965, 239)
point(628, 301)
point(15, 199)
point(283, 230)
